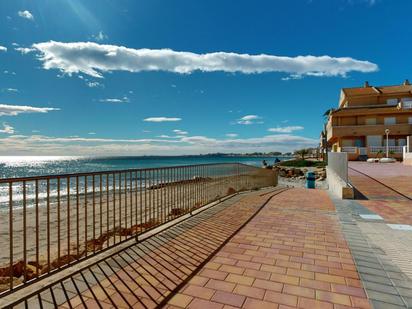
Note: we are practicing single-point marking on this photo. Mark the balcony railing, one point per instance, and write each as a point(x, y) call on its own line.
point(349, 149)
point(395, 149)
point(50, 222)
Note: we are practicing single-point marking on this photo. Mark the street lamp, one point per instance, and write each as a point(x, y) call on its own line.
point(387, 131)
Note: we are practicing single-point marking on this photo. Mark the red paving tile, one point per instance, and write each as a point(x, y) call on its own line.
point(384, 201)
point(295, 256)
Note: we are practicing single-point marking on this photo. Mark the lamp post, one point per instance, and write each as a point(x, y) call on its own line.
point(387, 131)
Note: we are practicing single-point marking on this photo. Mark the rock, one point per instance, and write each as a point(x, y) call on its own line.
point(5, 283)
point(176, 212)
point(231, 191)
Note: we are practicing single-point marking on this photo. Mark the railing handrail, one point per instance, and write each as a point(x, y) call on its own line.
point(127, 170)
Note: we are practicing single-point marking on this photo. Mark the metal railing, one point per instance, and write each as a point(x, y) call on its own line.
point(395, 149)
point(50, 222)
point(349, 149)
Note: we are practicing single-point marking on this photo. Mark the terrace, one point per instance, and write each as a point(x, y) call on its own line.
point(210, 236)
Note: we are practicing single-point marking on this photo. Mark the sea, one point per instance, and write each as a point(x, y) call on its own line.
point(29, 166)
point(26, 166)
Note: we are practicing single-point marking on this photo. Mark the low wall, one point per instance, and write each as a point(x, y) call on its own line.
point(407, 158)
point(337, 175)
point(338, 162)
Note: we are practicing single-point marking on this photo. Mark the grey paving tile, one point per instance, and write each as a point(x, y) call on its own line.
point(405, 291)
point(372, 271)
point(375, 265)
point(386, 298)
point(408, 301)
point(397, 275)
point(382, 305)
point(380, 287)
point(402, 283)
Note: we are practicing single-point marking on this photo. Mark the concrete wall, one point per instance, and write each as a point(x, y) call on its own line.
point(338, 162)
point(337, 186)
point(337, 175)
point(407, 159)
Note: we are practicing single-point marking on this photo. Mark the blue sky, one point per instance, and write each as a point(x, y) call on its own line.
point(185, 77)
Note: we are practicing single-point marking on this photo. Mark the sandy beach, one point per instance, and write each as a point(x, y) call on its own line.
point(79, 227)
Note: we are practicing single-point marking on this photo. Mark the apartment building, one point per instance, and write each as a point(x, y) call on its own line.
point(368, 118)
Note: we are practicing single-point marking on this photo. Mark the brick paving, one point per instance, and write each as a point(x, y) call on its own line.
point(381, 189)
point(292, 254)
point(383, 255)
point(394, 175)
point(145, 274)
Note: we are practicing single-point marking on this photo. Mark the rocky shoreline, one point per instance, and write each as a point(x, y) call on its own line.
point(296, 177)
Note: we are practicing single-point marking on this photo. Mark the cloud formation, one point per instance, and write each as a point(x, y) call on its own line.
point(101, 36)
point(7, 129)
point(94, 59)
point(288, 129)
point(75, 145)
point(25, 50)
point(250, 119)
point(116, 100)
point(180, 132)
point(11, 90)
point(3, 48)
point(14, 110)
point(161, 119)
point(26, 14)
point(231, 135)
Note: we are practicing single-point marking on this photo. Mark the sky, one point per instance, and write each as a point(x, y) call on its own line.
point(134, 77)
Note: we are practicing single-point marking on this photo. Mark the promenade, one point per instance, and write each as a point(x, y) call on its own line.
point(272, 248)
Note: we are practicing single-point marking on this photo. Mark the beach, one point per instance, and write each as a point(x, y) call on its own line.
point(55, 234)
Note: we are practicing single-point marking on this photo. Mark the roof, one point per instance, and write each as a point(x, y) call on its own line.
point(372, 90)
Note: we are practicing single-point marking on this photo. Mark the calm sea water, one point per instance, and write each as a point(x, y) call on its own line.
point(23, 166)
point(14, 167)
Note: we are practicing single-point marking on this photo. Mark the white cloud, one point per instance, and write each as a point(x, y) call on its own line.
point(250, 119)
point(161, 119)
point(288, 129)
point(115, 100)
point(26, 14)
point(14, 110)
point(180, 132)
point(11, 90)
point(25, 50)
point(7, 129)
point(101, 36)
point(93, 84)
point(232, 135)
point(38, 144)
point(92, 133)
point(94, 59)
point(3, 49)
point(9, 72)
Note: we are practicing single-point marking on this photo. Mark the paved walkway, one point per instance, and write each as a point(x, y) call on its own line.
point(292, 254)
point(380, 228)
point(276, 248)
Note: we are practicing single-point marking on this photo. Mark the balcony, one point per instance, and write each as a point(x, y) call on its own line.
point(364, 130)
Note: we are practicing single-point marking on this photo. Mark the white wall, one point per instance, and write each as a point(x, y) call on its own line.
point(338, 162)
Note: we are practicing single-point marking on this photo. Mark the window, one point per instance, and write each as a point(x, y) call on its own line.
point(410, 120)
point(389, 120)
point(392, 102)
point(391, 142)
point(370, 121)
point(374, 140)
point(407, 103)
point(402, 142)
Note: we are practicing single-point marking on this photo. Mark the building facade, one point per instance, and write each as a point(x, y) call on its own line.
point(368, 118)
